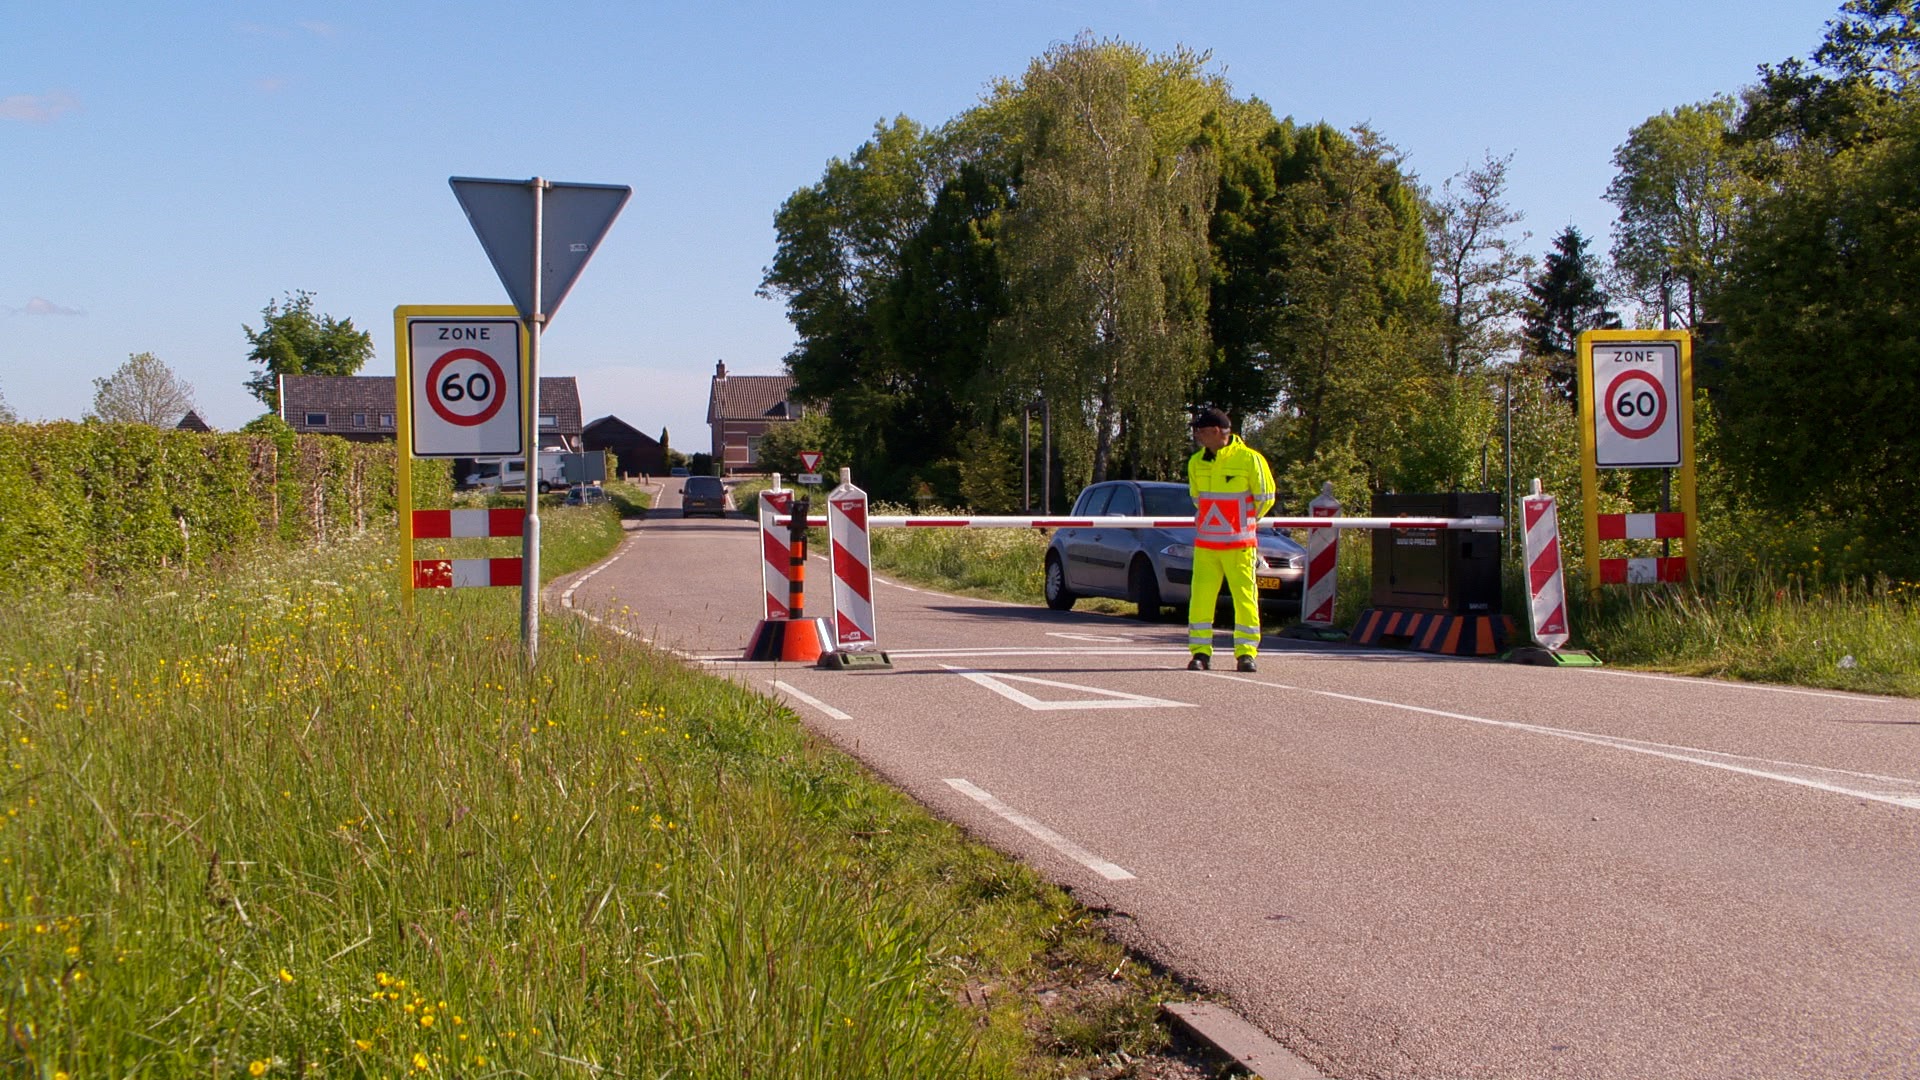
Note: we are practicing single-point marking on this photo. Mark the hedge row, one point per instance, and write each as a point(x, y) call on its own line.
point(91, 503)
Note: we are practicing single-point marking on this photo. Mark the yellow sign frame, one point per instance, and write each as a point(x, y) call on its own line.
point(1589, 458)
point(403, 402)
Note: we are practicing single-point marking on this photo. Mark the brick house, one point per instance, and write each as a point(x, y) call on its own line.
point(361, 408)
point(741, 409)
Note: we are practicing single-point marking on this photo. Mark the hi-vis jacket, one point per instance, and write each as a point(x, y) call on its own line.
point(1230, 493)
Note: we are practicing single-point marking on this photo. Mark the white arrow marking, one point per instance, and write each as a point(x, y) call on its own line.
point(1108, 699)
point(1087, 637)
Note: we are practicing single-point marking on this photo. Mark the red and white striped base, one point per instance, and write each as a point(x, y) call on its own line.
point(1648, 570)
point(465, 524)
point(1645, 571)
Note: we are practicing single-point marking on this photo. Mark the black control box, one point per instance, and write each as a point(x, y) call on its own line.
point(1452, 571)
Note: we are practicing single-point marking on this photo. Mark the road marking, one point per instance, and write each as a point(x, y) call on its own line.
point(1892, 790)
point(1088, 637)
point(1107, 699)
point(810, 700)
point(1041, 833)
point(1862, 698)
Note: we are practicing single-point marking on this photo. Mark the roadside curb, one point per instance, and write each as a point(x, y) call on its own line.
point(1231, 1037)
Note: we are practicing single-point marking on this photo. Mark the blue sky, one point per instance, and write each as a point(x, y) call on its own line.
point(166, 169)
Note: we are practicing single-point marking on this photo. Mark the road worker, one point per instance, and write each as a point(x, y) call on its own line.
point(1232, 488)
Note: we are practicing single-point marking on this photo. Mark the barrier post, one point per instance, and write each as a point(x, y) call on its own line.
point(850, 553)
point(1546, 588)
point(774, 503)
point(1323, 563)
point(791, 636)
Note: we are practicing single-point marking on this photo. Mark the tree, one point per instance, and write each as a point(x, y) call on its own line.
point(1563, 302)
point(1817, 401)
point(1480, 269)
point(7, 415)
point(143, 390)
point(1677, 190)
point(292, 340)
point(1106, 248)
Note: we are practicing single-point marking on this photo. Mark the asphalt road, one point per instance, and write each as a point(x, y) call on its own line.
point(1397, 865)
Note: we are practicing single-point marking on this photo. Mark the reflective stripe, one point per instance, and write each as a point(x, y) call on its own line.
point(1240, 629)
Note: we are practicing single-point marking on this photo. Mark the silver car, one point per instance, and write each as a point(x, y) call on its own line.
point(1152, 567)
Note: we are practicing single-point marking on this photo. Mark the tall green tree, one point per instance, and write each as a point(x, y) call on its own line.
point(1817, 404)
point(144, 390)
point(1357, 329)
point(1106, 248)
point(1677, 188)
point(7, 415)
point(1564, 301)
point(294, 340)
point(1481, 270)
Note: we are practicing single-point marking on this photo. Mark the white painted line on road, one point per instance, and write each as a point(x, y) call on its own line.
point(1892, 790)
point(1105, 699)
point(1088, 637)
point(1041, 833)
point(1841, 695)
point(809, 699)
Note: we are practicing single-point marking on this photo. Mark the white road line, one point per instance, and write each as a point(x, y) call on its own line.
point(1727, 684)
point(809, 699)
point(1103, 699)
point(1892, 790)
point(1041, 833)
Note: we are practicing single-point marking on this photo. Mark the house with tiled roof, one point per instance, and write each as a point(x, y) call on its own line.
point(740, 410)
point(361, 408)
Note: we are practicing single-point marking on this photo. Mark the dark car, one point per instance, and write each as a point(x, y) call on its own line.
point(587, 495)
point(703, 495)
point(1152, 567)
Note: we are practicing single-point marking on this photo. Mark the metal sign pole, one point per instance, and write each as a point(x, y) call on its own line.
point(530, 565)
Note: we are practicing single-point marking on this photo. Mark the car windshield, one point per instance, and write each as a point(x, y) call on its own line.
point(1167, 502)
point(702, 485)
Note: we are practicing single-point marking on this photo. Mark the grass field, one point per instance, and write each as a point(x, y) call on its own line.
point(265, 824)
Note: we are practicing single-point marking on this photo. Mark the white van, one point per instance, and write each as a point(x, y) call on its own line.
point(510, 474)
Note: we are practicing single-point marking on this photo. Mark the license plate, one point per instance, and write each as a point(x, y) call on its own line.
point(1268, 582)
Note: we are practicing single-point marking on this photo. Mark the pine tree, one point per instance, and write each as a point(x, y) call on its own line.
point(1563, 302)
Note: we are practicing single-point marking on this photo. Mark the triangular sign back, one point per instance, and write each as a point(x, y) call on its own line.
point(575, 218)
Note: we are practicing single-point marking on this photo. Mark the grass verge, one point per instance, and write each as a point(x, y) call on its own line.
point(271, 826)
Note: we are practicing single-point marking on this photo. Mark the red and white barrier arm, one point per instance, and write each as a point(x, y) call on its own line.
point(1475, 524)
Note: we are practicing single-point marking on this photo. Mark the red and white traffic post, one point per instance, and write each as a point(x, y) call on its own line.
point(775, 505)
point(1323, 560)
point(851, 557)
point(1546, 592)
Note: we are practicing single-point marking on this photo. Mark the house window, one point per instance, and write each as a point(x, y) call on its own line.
point(549, 421)
point(753, 449)
point(386, 419)
point(359, 419)
point(316, 419)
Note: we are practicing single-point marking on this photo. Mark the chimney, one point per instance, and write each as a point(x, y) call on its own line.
point(720, 369)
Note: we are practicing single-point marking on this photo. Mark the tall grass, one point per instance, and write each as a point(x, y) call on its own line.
point(271, 826)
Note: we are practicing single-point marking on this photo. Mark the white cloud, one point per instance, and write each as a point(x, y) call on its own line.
point(37, 108)
point(40, 305)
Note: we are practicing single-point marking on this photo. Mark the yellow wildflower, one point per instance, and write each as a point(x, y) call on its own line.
point(257, 1068)
point(286, 976)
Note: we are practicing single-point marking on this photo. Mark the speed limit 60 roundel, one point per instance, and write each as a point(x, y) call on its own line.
point(1636, 406)
point(465, 386)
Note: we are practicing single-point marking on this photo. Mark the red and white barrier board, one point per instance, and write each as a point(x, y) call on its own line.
point(1647, 570)
point(852, 562)
point(775, 552)
point(464, 524)
point(1546, 591)
point(466, 573)
point(1323, 559)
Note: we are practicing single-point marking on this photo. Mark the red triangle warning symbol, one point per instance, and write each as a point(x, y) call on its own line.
point(1215, 519)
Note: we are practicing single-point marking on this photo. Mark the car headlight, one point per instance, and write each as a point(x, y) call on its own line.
point(1178, 551)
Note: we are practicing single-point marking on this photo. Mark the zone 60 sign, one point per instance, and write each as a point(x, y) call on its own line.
point(465, 387)
point(1636, 396)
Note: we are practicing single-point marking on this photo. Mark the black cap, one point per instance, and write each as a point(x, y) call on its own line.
point(1211, 418)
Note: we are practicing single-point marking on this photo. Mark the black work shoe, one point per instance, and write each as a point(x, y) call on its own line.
point(1200, 662)
point(1244, 663)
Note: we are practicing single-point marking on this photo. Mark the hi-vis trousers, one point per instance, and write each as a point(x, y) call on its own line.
point(1210, 567)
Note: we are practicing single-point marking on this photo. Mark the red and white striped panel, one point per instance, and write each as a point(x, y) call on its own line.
point(1323, 559)
point(852, 560)
point(775, 550)
point(466, 573)
point(1645, 571)
point(1546, 592)
point(1668, 526)
point(463, 524)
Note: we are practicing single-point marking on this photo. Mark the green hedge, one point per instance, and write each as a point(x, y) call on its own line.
point(90, 503)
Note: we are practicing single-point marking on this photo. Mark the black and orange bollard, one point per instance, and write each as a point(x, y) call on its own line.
point(795, 638)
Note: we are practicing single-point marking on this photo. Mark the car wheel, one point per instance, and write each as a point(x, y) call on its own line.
point(1059, 597)
point(545, 487)
point(1144, 589)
